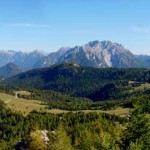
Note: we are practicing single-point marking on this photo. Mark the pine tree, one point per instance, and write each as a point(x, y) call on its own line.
point(137, 132)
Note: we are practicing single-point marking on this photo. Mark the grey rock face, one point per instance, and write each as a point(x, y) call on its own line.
point(94, 54)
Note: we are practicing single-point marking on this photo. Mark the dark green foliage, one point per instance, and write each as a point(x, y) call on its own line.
point(82, 81)
point(142, 102)
point(66, 102)
point(108, 91)
point(137, 131)
point(15, 127)
point(10, 123)
point(78, 130)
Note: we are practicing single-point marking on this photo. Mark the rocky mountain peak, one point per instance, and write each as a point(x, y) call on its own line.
point(95, 53)
point(93, 43)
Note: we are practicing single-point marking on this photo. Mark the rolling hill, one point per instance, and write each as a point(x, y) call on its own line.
point(9, 70)
point(81, 81)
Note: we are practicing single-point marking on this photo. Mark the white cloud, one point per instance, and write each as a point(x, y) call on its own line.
point(29, 25)
point(141, 29)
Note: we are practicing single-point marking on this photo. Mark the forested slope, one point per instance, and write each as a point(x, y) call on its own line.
point(80, 81)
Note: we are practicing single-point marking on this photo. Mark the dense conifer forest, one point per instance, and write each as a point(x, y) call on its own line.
point(81, 81)
point(74, 130)
point(75, 89)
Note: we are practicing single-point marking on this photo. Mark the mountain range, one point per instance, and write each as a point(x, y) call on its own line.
point(24, 60)
point(94, 54)
point(98, 54)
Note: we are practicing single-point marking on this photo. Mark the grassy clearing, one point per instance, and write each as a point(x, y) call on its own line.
point(143, 86)
point(118, 111)
point(25, 106)
point(148, 116)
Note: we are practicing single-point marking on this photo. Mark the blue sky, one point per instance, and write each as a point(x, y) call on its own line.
point(51, 24)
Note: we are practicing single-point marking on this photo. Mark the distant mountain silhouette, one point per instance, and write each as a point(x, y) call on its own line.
point(9, 70)
point(22, 59)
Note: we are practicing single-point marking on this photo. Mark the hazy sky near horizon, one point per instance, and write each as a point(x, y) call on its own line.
point(50, 24)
